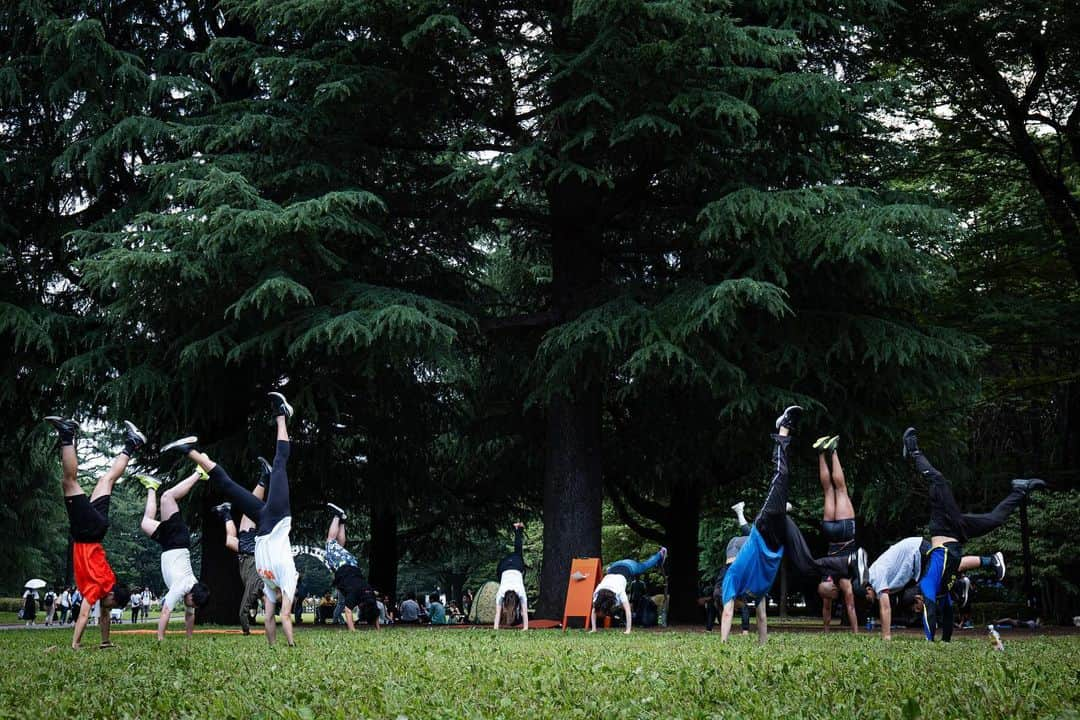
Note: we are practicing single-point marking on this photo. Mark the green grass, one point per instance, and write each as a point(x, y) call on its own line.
point(445, 673)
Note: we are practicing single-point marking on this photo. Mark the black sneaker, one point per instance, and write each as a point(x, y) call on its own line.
point(183, 445)
point(789, 418)
point(133, 438)
point(858, 571)
point(223, 511)
point(1028, 484)
point(999, 565)
point(279, 405)
point(911, 442)
point(338, 512)
point(65, 428)
point(264, 471)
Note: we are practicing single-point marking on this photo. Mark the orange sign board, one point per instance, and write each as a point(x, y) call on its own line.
point(585, 575)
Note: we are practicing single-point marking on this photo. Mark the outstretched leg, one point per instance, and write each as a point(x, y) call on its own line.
point(845, 510)
point(170, 499)
point(277, 504)
point(798, 552)
point(770, 519)
point(825, 476)
point(149, 523)
point(976, 525)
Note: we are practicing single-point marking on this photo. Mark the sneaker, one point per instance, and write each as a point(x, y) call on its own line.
point(183, 445)
point(65, 428)
point(279, 405)
point(203, 475)
point(148, 481)
point(663, 556)
point(911, 442)
point(999, 565)
point(787, 507)
point(338, 512)
point(789, 418)
point(832, 443)
point(264, 471)
point(223, 511)
point(859, 571)
point(133, 438)
point(819, 444)
point(739, 507)
point(1028, 484)
point(962, 590)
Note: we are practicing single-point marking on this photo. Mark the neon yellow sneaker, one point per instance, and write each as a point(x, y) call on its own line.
point(203, 475)
point(148, 482)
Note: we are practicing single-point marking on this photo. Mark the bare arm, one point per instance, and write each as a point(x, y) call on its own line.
point(189, 621)
point(826, 612)
point(163, 621)
point(498, 612)
point(849, 605)
point(349, 619)
point(80, 624)
point(629, 615)
point(762, 621)
point(885, 610)
point(725, 619)
point(592, 615)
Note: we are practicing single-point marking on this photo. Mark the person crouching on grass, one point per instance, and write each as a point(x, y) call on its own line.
point(174, 537)
point(611, 592)
point(89, 519)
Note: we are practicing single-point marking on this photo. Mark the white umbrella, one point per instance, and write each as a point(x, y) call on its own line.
point(35, 584)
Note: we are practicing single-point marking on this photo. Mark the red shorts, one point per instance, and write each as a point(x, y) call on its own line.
point(93, 576)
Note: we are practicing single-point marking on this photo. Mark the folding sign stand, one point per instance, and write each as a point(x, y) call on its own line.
point(585, 575)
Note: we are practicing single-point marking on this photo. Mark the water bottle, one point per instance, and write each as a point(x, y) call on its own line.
point(869, 623)
point(995, 638)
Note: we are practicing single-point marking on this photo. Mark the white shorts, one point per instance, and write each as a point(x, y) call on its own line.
point(274, 561)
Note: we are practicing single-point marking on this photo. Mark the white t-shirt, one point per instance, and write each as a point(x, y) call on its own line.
point(274, 561)
point(511, 581)
point(614, 582)
point(178, 575)
point(897, 566)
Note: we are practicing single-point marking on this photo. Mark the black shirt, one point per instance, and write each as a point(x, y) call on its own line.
point(353, 585)
point(173, 533)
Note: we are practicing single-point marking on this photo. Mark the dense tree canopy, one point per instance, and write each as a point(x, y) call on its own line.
point(519, 259)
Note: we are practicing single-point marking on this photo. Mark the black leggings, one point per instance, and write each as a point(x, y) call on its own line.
point(770, 520)
point(945, 516)
point(266, 513)
point(515, 560)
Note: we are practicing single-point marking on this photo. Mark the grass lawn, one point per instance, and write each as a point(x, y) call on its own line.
point(447, 673)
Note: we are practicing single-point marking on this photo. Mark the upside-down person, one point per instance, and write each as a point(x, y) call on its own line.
point(89, 519)
point(241, 540)
point(838, 526)
point(273, 549)
point(949, 529)
point(510, 600)
point(731, 551)
point(901, 565)
point(348, 578)
point(610, 593)
point(773, 534)
point(174, 537)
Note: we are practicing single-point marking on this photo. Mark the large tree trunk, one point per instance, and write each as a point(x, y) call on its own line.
point(219, 569)
point(573, 495)
point(383, 548)
point(683, 552)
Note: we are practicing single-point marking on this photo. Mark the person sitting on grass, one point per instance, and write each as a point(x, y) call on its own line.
point(773, 533)
point(610, 593)
point(436, 610)
point(241, 540)
point(172, 534)
point(348, 579)
point(89, 520)
point(949, 529)
point(838, 526)
point(510, 600)
point(903, 564)
point(273, 549)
